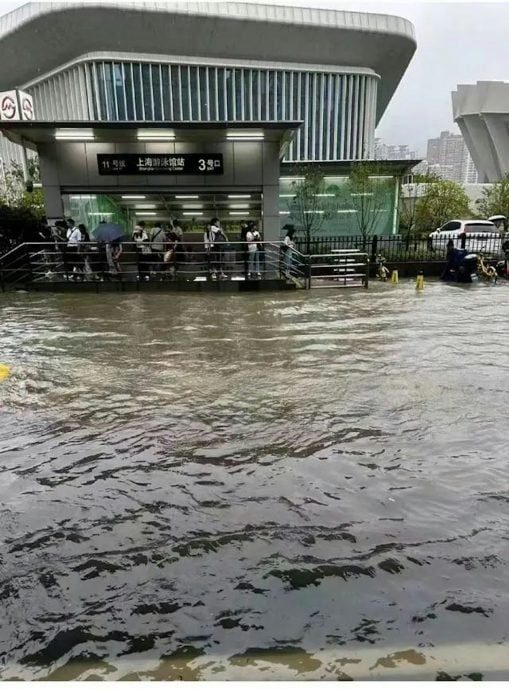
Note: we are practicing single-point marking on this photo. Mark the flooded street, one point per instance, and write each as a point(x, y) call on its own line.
point(282, 486)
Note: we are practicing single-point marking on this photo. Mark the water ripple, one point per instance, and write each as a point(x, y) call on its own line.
point(254, 487)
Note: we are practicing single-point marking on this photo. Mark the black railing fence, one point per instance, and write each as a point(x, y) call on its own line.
point(398, 248)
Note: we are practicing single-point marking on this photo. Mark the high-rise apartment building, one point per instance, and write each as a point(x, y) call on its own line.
point(449, 152)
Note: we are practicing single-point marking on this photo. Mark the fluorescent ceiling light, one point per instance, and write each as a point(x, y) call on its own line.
point(101, 213)
point(145, 213)
point(193, 213)
point(244, 134)
point(37, 184)
point(145, 206)
point(239, 196)
point(239, 213)
point(294, 179)
point(239, 205)
point(284, 213)
point(192, 205)
point(82, 197)
point(186, 196)
point(133, 196)
point(286, 196)
point(325, 195)
point(75, 134)
point(318, 212)
point(156, 135)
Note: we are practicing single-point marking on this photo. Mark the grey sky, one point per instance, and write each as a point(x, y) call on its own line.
point(456, 43)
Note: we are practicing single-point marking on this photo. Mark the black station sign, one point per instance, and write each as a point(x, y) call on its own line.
point(160, 164)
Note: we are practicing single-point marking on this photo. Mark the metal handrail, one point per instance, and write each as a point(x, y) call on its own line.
point(53, 260)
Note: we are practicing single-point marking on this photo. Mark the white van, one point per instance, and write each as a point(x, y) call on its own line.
point(480, 236)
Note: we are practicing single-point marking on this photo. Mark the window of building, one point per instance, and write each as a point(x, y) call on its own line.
point(167, 101)
point(221, 93)
point(148, 92)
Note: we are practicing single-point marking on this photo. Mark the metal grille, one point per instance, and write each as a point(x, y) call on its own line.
point(337, 108)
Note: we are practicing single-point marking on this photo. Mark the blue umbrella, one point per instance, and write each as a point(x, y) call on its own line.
point(108, 232)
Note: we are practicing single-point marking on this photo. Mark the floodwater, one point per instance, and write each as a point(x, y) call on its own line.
point(283, 486)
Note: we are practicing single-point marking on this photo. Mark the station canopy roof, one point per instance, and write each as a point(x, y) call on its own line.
point(33, 133)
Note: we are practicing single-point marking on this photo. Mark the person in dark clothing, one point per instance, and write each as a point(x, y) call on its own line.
point(244, 229)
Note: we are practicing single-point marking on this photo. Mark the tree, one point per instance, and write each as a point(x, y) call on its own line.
point(442, 201)
point(494, 200)
point(409, 197)
point(369, 195)
point(15, 192)
point(313, 202)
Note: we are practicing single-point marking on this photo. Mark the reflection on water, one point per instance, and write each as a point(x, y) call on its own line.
point(287, 486)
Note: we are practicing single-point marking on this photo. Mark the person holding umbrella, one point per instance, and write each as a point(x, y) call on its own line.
point(112, 235)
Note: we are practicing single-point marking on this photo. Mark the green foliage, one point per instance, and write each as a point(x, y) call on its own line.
point(494, 200)
point(313, 202)
point(369, 194)
point(15, 193)
point(443, 200)
point(18, 224)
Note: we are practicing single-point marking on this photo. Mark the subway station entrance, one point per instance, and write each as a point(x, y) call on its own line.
point(159, 172)
point(191, 208)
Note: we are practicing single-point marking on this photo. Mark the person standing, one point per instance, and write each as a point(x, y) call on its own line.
point(157, 243)
point(253, 238)
point(71, 227)
point(244, 229)
point(177, 230)
point(214, 239)
point(73, 242)
point(288, 250)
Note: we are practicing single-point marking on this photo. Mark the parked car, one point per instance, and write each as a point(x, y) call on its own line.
point(479, 236)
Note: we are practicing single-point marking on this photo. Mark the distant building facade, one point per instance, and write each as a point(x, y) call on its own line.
point(398, 152)
point(448, 156)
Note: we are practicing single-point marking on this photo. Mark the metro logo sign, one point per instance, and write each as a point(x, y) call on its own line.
point(9, 106)
point(27, 107)
point(16, 105)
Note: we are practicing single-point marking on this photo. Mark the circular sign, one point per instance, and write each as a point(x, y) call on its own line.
point(27, 108)
point(8, 107)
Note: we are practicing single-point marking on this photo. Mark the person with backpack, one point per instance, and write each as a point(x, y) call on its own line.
point(214, 239)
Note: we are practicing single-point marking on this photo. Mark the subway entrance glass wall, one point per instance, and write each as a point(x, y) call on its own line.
point(344, 208)
point(193, 209)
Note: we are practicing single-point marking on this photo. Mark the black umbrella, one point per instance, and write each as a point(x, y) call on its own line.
point(109, 232)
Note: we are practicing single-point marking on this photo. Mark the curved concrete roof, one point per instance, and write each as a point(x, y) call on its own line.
point(39, 37)
point(481, 111)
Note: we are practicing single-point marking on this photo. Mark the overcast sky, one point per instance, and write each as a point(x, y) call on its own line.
point(457, 43)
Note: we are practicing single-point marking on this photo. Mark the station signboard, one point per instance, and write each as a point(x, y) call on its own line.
point(160, 163)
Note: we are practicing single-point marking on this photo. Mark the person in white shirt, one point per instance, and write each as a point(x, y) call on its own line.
point(72, 259)
point(213, 240)
point(70, 228)
point(74, 238)
point(288, 249)
point(253, 250)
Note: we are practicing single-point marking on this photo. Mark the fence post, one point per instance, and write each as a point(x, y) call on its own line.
point(308, 271)
point(374, 246)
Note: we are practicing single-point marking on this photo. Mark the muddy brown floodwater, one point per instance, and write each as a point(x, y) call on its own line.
point(288, 486)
